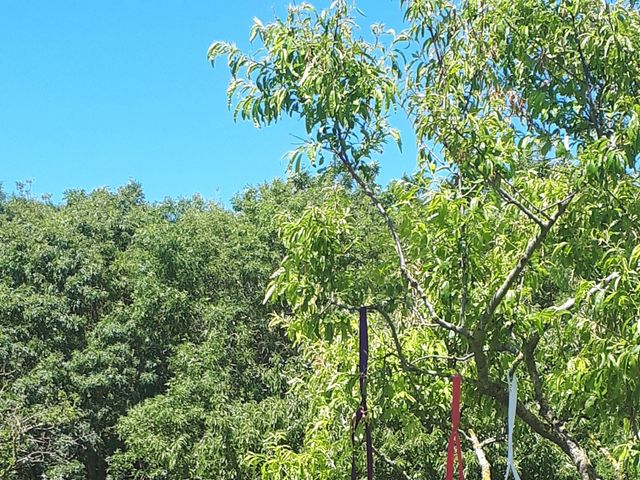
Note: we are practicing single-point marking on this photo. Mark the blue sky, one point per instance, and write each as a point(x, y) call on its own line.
point(95, 93)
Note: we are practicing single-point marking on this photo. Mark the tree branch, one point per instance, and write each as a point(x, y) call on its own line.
point(397, 467)
point(593, 110)
point(553, 433)
point(620, 475)
point(464, 260)
point(396, 340)
point(464, 358)
point(532, 368)
point(515, 272)
point(404, 363)
point(512, 200)
point(485, 466)
point(404, 270)
point(570, 303)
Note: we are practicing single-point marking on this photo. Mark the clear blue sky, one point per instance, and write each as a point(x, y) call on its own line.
point(94, 93)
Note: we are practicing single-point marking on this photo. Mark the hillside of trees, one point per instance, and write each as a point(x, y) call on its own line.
point(183, 340)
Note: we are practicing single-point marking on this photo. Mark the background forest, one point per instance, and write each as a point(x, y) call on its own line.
point(185, 340)
point(115, 312)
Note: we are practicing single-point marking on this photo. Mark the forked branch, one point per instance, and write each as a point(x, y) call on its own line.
point(519, 267)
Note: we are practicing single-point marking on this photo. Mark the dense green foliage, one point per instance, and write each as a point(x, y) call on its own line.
point(514, 246)
point(182, 340)
point(134, 338)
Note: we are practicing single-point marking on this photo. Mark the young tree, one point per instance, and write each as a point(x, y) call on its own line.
point(515, 243)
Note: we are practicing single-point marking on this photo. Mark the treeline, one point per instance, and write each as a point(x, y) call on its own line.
point(134, 342)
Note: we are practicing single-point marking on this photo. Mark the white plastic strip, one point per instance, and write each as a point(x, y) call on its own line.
point(512, 383)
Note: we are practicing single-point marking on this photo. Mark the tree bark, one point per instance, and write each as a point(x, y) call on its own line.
point(485, 466)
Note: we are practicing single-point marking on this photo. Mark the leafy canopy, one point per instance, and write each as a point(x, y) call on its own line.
point(512, 247)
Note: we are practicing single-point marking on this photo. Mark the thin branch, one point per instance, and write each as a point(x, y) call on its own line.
point(404, 270)
point(633, 420)
point(396, 340)
point(464, 258)
point(404, 363)
point(485, 466)
point(516, 362)
point(559, 64)
point(515, 272)
point(491, 440)
point(512, 200)
point(523, 196)
point(464, 358)
point(620, 475)
point(593, 111)
point(393, 464)
point(570, 303)
point(532, 368)
point(505, 347)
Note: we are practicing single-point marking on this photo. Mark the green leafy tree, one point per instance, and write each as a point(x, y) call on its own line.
point(514, 246)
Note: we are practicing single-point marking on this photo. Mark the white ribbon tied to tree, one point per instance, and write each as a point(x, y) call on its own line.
point(512, 384)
